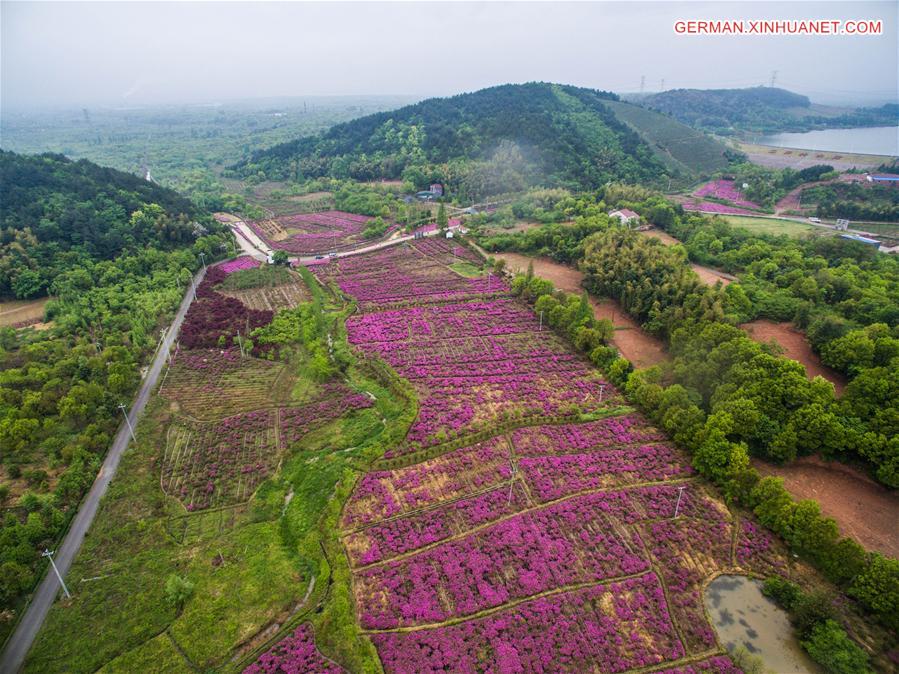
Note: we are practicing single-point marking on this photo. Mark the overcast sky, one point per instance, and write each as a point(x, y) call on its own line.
point(77, 53)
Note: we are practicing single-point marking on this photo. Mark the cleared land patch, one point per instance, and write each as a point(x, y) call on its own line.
point(796, 347)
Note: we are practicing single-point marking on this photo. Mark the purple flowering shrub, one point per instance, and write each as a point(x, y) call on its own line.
point(310, 233)
point(238, 264)
point(212, 383)
point(626, 429)
point(402, 275)
point(551, 477)
point(687, 551)
point(475, 364)
point(219, 463)
point(759, 550)
point(725, 190)
point(295, 654)
point(400, 535)
point(387, 493)
point(445, 251)
point(608, 628)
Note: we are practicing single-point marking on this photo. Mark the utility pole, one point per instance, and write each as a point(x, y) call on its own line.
point(130, 427)
point(203, 258)
point(192, 282)
point(680, 492)
point(512, 481)
point(662, 85)
point(642, 83)
point(49, 555)
point(240, 343)
point(602, 387)
point(541, 322)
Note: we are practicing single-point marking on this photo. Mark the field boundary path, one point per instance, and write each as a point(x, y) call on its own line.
point(21, 639)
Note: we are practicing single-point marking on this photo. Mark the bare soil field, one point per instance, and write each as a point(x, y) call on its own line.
point(661, 235)
point(712, 276)
point(795, 346)
point(863, 509)
point(780, 157)
point(286, 295)
point(642, 349)
point(22, 312)
point(312, 196)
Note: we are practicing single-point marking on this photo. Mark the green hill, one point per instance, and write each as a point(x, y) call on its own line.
point(491, 141)
point(759, 110)
point(684, 150)
point(55, 212)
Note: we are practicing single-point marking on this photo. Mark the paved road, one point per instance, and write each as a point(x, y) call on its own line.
point(20, 642)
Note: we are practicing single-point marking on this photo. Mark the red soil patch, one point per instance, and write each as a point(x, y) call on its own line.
point(662, 236)
point(711, 276)
point(642, 349)
point(863, 509)
point(796, 347)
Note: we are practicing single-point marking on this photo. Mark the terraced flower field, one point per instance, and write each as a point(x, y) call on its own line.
point(573, 538)
point(312, 233)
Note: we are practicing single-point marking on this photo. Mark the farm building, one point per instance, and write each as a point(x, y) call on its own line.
point(625, 215)
point(861, 239)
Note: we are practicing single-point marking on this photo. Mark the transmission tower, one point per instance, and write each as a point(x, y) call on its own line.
point(773, 77)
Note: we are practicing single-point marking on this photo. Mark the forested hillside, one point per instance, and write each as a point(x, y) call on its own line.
point(115, 253)
point(759, 110)
point(56, 214)
point(493, 141)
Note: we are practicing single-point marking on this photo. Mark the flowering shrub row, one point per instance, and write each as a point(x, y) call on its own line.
point(727, 191)
point(310, 233)
point(401, 275)
point(386, 493)
point(397, 536)
point(566, 543)
point(295, 654)
point(445, 251)
point(237, 264)
point(626, 429)
point(712, 207)
point(553, 476)
point(214, 319)
point(607, 628)
point(297, 421)
point(475, 364)
point(687, 551)
point(219, 463)
point(212, 383)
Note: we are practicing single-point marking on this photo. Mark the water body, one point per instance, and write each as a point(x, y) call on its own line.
point(869, 140)
point(743, 616)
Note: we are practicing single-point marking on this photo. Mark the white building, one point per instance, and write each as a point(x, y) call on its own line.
point(626, 216)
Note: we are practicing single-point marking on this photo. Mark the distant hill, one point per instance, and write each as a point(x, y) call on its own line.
point(759, 110)
point(55, 211)
point(496, 140)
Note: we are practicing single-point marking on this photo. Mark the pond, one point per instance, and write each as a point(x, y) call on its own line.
point(869, 140)
point(743, 616)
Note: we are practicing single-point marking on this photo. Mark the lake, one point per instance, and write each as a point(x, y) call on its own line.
point(744, 617)
point(870, 140)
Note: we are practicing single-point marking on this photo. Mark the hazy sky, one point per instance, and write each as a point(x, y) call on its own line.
point(78, 53)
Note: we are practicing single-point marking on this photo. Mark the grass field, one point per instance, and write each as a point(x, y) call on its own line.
point(466, 269)
point(772, 225)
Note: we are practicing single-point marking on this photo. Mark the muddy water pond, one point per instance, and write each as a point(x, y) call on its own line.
point(743, 616)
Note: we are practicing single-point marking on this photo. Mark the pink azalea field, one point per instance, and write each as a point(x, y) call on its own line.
point(550, 546)
point(725, 190)
point(311, 233)
point(295, 655)
point(237, 264)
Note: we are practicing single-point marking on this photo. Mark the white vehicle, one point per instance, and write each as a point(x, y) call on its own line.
point(818, 220)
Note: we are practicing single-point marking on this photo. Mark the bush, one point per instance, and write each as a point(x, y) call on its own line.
point(830, 646)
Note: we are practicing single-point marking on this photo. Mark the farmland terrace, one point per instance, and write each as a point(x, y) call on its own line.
point(314, 233)
point(530, 518)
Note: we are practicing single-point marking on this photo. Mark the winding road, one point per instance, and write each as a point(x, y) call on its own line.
point(20, 641)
